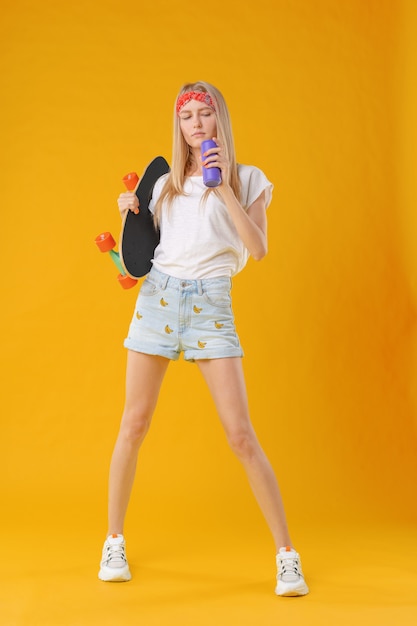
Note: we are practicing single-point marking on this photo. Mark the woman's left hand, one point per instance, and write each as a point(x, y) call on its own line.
point(215, 157)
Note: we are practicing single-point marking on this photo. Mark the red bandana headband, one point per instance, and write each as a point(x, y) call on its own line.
point(201, 96)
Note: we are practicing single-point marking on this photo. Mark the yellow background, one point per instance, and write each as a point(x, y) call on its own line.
point(322, 95)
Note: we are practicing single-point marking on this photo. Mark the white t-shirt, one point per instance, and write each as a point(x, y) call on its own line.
point(199, 240)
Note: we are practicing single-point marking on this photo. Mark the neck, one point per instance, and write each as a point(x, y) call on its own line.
point(194, 167)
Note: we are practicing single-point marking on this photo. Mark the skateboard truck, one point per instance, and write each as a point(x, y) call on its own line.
point(106, 243)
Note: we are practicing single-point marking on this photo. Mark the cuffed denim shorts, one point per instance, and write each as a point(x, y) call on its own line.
point(195, 317)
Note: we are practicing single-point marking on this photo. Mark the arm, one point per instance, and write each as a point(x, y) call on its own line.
point(251, 225)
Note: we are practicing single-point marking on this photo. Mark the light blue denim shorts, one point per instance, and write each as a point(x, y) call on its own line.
point(195, 317)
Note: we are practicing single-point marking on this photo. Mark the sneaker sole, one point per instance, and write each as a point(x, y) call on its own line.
point(291, 592)
point(109, 575)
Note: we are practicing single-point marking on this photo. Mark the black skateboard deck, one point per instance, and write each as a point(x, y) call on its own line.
point(139, 236)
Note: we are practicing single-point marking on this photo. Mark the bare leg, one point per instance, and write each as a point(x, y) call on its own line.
point(226, 382)
point(144, 377)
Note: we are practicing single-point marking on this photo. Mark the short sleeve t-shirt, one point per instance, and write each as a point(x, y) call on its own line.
point(198, 238)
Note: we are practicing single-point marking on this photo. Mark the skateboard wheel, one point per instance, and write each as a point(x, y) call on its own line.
point(105, 242)
point(131, 180)
point(126, 281)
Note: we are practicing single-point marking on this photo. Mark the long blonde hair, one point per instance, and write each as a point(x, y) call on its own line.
point(182, 157)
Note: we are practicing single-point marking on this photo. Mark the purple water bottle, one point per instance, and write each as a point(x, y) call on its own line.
point(211, 175)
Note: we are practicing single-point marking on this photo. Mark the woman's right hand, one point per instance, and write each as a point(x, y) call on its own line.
point(128, 201)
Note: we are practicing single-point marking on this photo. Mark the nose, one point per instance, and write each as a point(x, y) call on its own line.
point(197, 122)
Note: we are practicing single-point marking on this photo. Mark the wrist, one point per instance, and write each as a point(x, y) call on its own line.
point(225, 190)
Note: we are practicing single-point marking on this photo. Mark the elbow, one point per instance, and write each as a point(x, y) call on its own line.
point(258, 255)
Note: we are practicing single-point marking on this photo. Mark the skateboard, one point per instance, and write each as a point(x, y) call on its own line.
point(139, 236)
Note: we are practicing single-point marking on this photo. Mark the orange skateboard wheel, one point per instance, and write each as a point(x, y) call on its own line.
point(105, 242)
point(131, 180)
point(126, 281)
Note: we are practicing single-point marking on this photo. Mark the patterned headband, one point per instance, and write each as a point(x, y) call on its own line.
point(201, 96)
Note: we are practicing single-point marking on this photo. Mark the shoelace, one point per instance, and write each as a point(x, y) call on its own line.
point(115, 553)
point(289, 566)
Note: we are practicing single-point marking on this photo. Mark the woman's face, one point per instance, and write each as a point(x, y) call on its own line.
point(197, 123)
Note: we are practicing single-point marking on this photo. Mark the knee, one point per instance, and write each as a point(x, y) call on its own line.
point(135, 424)
point(243, 443)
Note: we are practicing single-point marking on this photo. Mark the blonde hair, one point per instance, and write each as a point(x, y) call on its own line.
point(182, 157)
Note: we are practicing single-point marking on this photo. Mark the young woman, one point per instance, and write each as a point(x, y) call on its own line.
point(184, 307)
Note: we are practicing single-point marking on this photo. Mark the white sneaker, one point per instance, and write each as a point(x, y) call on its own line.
point(114, 566)
point(290, 578)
